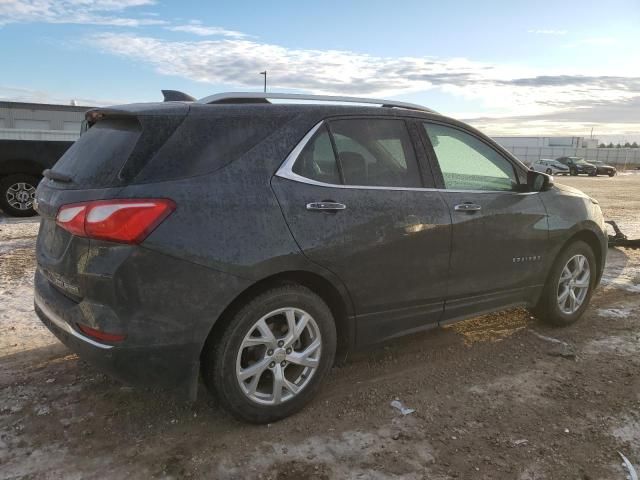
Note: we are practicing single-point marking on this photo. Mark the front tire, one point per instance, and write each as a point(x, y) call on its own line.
point(573, 172)
point(17, 193)
point(548, 171)
point(273, 354)
point(569, 286)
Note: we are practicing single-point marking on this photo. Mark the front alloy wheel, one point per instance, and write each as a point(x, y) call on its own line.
point(574, 284)
point(569, 286)
point(279, 356)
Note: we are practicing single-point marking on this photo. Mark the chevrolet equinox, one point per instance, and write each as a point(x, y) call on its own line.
point(251, 242)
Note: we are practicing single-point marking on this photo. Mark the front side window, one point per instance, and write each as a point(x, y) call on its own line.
point(469, 164)
point(375, 152)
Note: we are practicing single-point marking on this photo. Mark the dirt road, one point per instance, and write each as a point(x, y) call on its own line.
point(493, 398)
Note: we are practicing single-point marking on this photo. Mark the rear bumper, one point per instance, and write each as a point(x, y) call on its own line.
point(173, 367)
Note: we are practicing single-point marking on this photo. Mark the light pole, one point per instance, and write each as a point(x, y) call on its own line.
point(265, 80)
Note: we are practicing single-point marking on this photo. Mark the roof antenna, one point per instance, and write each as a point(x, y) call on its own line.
point(176, 96)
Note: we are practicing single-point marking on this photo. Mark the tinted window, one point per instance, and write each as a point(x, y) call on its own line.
point(97, 157)
point(467, 163)
point(374, 152)
point(317, 161)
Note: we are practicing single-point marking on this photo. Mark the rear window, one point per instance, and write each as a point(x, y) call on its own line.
point(99, 155)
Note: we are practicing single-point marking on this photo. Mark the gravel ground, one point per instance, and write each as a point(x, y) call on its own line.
point(494, 396)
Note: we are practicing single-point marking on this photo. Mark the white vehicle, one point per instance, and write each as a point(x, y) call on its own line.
point(550, 167)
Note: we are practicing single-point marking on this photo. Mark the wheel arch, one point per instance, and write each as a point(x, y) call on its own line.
point(20, 166)
point(591, 239)
point(325, 289)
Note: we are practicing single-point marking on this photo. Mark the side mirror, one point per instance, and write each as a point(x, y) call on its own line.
point(538, 181)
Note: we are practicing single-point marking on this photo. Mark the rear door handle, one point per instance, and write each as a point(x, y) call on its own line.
point(467, 207)
point(326, 206)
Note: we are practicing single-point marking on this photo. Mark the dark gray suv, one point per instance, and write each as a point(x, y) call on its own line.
point(250, 243)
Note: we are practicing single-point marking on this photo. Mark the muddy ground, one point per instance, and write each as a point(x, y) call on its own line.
point(492, 397)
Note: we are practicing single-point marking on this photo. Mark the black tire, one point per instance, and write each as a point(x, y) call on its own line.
point(8, 194)
point(573, 172)
point(221, 351)
point(547, 310)
point(548, 171)
point(611, 174)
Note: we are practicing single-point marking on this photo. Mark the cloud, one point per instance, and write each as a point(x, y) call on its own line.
point(196, 28)
point(548, 32)
point(515, 97)
point(98, 12)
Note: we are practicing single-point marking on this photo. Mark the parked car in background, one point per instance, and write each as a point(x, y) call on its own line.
point(550, 167)
point(578, 165)
point(604, 169)
point(33, 136)
point(250, 243)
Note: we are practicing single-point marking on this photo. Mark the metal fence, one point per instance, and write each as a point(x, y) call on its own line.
point(622, 158)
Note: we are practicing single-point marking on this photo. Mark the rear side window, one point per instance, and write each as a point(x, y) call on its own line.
point(375, 152)
point(99, 155)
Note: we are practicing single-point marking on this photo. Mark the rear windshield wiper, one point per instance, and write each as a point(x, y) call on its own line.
point(58, 177)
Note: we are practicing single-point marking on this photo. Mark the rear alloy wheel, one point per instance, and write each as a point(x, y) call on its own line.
point(17, 193)
point(569, 287)
point(273, 354)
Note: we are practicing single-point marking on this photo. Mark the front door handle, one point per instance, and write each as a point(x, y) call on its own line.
point(326, 206)
point(467, 207)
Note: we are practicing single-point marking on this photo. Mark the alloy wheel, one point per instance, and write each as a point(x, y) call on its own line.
point(20, 195)
point(279, 356)
point(574, 284)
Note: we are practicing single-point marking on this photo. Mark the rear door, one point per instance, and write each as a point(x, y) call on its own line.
point(500, 232)
point(353, 196)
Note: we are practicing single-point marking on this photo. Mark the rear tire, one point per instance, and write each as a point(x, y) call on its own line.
point(548, 171)
point(551, 309)
point(283, 386)
point(611, 174)
point(17, 193)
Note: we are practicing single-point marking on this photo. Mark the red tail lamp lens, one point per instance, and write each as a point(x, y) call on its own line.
point(124, 221)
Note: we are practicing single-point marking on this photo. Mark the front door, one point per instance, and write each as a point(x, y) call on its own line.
point(500, 232)
point(355, 203)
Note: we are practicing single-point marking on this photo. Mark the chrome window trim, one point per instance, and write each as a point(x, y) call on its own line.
point(60, 323)
point(286, 171)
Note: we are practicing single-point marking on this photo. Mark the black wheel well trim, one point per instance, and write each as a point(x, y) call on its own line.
point(345, 323)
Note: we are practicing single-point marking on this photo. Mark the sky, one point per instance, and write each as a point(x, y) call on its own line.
point(507, 67)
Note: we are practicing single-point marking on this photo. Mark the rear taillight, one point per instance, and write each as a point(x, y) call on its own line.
point(124, 221)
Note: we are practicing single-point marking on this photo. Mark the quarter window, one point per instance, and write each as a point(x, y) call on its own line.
point(467, 163)
point(375, 152)
point(317, 161)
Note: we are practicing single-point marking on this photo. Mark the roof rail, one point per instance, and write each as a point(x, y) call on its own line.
point(259, 97)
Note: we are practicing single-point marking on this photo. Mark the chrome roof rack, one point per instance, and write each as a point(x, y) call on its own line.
point(259, 97)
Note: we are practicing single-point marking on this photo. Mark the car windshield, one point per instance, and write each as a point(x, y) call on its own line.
point(577, 159)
